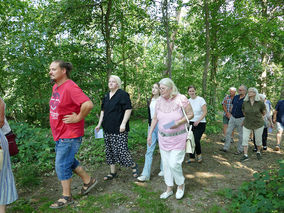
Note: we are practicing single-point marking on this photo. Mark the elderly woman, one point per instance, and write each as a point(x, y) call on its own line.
point(145, 175)
point(198, 122)
point(114, 118)
point(8, 192)
point(172, 135)
point(253, 109)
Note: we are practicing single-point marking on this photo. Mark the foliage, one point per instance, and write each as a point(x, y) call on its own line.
point(36, 147)
point(264, 194)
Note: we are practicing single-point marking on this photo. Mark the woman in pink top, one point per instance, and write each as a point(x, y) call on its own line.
point(172, 134)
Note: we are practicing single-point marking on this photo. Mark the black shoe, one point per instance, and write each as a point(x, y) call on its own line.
point(223, 150)
point(254, 150)
point(264, 147)
point(223, 140)
point(258, 155)
point(244, 158)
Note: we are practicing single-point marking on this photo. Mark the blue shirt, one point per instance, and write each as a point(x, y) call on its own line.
point(280, 111)
point(237, 107)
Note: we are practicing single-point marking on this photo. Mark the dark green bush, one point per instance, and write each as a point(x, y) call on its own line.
point(264, 194)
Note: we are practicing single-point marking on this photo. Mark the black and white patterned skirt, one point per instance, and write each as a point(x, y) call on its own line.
point(117, 149)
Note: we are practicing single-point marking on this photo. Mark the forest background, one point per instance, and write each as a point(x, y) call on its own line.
point(211, 44)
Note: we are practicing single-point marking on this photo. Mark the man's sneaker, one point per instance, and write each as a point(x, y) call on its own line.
point(254, 150)
point(223, 140)
point(258, 155)
point(238, 153)
point(223, 150)
point(264, 147)
point(244, 158)
point(277, 148)
point(143, 178)
point(161, 174)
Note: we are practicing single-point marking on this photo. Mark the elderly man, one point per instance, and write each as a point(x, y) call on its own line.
point(226, 104)
point(68, 108)
point(236, 121)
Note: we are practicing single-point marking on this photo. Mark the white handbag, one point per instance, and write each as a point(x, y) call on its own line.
point(190, 143)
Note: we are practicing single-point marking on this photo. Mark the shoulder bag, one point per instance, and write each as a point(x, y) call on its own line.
point(13, 148)
point(190, 143)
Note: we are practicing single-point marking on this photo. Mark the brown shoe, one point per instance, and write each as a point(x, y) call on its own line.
point(277, 148)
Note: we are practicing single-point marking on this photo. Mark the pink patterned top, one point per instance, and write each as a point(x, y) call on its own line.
point(170, 110)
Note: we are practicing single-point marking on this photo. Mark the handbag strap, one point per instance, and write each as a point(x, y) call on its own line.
point(190, 126)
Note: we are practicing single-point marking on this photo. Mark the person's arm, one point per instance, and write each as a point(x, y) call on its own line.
point(85, 109)
point(274, 116)
point(204, 112)
point(189, 113)
point(2, 113)
point(152, 127)
point(97, 128)
point(126, 117)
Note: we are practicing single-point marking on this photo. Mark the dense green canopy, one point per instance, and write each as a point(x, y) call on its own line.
point(213, 44)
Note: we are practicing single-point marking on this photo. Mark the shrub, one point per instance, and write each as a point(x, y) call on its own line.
point(264, 194)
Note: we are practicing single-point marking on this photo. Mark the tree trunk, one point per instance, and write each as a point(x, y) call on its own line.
point(207, 46)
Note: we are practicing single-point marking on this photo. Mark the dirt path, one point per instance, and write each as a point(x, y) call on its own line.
point(203, 180)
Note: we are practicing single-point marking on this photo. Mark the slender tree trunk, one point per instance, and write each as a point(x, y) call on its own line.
point(106, 33)
point(207, 46)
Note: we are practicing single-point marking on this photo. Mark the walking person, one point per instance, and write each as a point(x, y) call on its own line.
point(227, 106)
point(172, 135)
point(267, 124)
point(145, 175)
point(198, 122)
point(253, 109)
point(114, 118)
point(68, 108)
point(8, 192)
point(278, 119)
point(236, 121)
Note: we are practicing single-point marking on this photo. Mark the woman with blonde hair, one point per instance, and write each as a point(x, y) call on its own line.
point(171, 135)
point(145, 175)
point(253, 109)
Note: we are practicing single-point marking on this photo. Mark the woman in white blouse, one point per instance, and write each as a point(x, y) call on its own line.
point(198, 122)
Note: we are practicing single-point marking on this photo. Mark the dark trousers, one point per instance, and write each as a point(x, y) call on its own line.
point(197, 133)
point(264, 138)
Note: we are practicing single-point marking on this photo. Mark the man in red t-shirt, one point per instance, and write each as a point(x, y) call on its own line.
point(68, 108)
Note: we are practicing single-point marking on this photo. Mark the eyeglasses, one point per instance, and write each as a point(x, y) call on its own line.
point(162, 88)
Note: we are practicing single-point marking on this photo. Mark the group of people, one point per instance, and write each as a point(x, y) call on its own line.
point(167, 126)
point(250, 113)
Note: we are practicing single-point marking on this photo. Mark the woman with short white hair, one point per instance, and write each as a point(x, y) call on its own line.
point(171, 134)
point(114, 118)
point(253, 109)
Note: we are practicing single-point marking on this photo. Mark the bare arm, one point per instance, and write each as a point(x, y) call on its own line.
point(2, 113)
point(274, 116)
point(153, 126)
point(189, 113)
point(85, 109)
point(125, 119)
point(100, 121)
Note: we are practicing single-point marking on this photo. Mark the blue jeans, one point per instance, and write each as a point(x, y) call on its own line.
point(149, 154)
point(65, 161)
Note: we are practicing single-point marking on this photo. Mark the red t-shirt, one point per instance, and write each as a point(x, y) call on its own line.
point(66, 99)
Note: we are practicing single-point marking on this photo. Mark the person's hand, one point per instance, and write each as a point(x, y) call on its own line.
point(122, 127)
point(228, 115)
point(274, 121)
point(68, 119)
point(149, 140)
point(272, 125)
point(196, 123)
point(97, 128)
point(2, 123)
point(176, 125)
